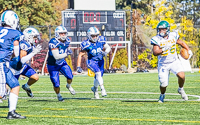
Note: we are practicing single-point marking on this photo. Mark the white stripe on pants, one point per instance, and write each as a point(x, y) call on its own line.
point(2, 81)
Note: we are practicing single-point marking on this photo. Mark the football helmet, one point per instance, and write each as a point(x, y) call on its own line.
point(10, 18)
point(93, 31)
point(58, 30)
point(165, 25)
point(31, 35)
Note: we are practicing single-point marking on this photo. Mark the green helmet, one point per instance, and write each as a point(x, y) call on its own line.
point(165, 25)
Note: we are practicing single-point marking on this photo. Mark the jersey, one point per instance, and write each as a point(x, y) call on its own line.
point(168, 55)
point(7, 38)
point(62, 48)
point(94, 49)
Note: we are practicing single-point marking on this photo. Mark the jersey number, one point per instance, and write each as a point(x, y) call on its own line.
point(3, 32)
point(94, 51)
point(172, 51)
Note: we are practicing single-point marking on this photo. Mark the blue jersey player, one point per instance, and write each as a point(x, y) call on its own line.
point(58, 50)
point(27, 51)
point(9, 43)
point(93, 46)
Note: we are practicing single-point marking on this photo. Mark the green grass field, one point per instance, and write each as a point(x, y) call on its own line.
point(131, 99)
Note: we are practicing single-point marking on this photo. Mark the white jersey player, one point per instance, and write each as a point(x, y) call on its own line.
point(164, 46)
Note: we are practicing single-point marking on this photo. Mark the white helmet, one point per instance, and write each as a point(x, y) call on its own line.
point(93, 31)
point(60, 29)
point(10, 18)
point(30, 35)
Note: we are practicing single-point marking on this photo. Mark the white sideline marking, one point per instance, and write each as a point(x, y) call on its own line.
point(197, 96)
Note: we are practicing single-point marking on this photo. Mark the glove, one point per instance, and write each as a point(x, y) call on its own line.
point(166, 48)
point(37, 49)
point(103, 53)
point(190, 54)
point(69, 52)
point(79, 69)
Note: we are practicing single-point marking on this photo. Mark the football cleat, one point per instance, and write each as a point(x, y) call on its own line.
point(4, 97)
point(60, 98)
point(14, 115)
point(28, 91)
point(103, 93)
point(72, 91)
point(183, 94)
point(96, 94)
point(161, 98)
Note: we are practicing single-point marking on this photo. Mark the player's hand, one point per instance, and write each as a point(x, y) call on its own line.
point(165, 48)
point(37, 49)
point(103, 53)
point(190, 54)
point(69, 52)
point(79, 70)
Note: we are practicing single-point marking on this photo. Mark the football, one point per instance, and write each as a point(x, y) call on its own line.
point(184, 53)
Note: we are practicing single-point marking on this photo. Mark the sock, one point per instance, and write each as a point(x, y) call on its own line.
point(58, 95)
point(100, 80)
point(180, 88)
point(12, 101)
point(96, 83)
point(27, 85)
point(68, 85)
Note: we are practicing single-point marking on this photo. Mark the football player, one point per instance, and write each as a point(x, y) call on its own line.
point(164, 46)
point(27, 51)
point(9, 45)
point(93, 46)
point(58, 51)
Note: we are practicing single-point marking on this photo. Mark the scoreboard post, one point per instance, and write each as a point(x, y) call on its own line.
point(78, 22)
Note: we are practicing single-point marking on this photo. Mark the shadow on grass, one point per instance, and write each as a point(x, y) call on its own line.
point(3, 106)
point(41, 100)
point(140, 101)
point(77, 98)
point(2, 117)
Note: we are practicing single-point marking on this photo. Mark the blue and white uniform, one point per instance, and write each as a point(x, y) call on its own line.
point(22, 69)
point(95, 60)
point(7, 38)
point(60, 65)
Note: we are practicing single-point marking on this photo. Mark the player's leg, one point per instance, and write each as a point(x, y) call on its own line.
point(2, 83)
point(94, 66)
point(101, 66)
point(13, 83)
point(67, 72)
point(33, 77)
point(54, 76)
point(177, 69)
point(163, 76)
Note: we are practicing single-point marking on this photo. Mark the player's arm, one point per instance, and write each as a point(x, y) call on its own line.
point(82, 52)
point(107, 47)
point(56, 54)
point(157, 50)
point(23, 54)
point(79, 69)
point(16, 48)
point(182, 44)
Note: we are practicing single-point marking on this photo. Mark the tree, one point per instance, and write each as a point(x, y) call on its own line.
point(185, 26)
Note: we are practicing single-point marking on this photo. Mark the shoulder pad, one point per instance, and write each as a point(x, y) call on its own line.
point(53, 43)
point(175, 34)
point(85, 44)
point(102, 39)
point(154, 40)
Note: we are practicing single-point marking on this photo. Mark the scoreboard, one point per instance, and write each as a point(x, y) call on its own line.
point(111, 24)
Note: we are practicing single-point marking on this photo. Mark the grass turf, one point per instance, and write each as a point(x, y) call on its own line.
point(131, 99)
